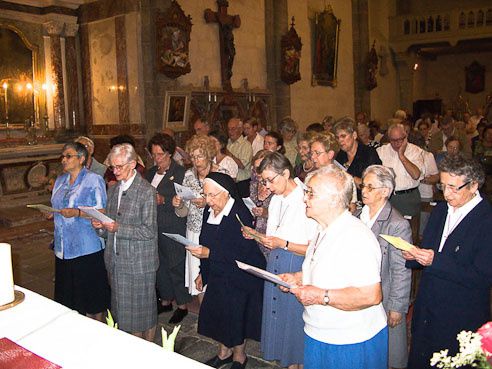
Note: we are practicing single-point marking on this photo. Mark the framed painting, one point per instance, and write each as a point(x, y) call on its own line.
point(325, 48)
point(176, 110)
point(475, 78)
point(173, 30)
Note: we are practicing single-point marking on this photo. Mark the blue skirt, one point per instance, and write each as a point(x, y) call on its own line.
point(370, 354)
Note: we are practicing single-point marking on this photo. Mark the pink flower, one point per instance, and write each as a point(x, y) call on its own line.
point(486, 332)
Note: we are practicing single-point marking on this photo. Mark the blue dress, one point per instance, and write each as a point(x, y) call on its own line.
point(282, 330)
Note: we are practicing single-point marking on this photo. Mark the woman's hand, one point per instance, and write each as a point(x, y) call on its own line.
point(177, 202)
point(199, 202)
point(424, 257)
point(96, 224)
point(249, 233)
point(70, 212)
point(160, 199)
point(272, 242)
point(308, 295)
point(111, 227)
point(47, 216)
point(199, 283)
point(200, 252)
point(290, 278)
point(394, 318)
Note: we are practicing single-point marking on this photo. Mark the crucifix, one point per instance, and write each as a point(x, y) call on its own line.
point(226, 24)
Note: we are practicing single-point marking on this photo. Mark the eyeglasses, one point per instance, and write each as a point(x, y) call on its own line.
point(309, 193)
point(442, 187)
point(68, 156)
point(369, 188)
point(159, 154)
point(197, 157)
point(211, 195)
point(401, 139)
point(118, 167)
point(318, 153)
point(268, 180)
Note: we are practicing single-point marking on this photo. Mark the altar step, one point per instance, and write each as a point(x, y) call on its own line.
point(19, 216)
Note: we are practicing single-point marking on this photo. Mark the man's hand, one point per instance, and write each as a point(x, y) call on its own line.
point(394, 318)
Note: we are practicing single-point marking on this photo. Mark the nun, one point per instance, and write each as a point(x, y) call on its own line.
point(231, 309)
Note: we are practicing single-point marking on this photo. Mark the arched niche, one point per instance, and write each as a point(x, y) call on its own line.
point(19, 87)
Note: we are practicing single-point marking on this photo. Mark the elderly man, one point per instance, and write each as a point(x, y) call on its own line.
point(92, 164)
point(240, 150)
point(131, 253)
point(201, 126)
point(437, 142)
point(407, 161)
point(251, 127)
point(340, 283)
point(456, 255)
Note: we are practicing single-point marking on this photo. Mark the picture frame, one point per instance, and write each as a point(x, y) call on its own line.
point(176, 110)
point(325, 48)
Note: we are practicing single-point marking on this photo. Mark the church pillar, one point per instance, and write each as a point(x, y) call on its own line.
point(360, 30)
point(405, 81)
point(276, 24)
point(72, 83)
point(121, 70)
point(54, 30)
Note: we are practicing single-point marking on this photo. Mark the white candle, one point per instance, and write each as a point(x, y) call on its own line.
point(6, 276)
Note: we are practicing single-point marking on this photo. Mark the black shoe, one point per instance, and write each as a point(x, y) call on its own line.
point(217, 362)
point(238, 365)
point(163, 308)
point(178, 315)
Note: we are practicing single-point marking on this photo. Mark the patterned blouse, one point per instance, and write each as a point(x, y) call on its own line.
point(261, 196)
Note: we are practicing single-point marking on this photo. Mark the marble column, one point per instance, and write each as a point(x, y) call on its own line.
point(54, 30)
point(72, 85)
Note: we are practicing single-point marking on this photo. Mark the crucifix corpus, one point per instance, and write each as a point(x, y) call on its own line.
point(226, 24)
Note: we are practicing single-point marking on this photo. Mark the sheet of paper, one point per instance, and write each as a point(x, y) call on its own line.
point(180, 239)
point(184, 192)
point(249, 203)
point(42, 207)
point(398, 242)
point(96, 214)
point(339, 165)
point(262, 274)
point(254, 235)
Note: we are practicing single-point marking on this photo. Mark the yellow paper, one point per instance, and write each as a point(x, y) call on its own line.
point(398, 242)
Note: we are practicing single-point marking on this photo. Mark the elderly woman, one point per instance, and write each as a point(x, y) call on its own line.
point(171, 273)
point(288, 129)
point(261, 196)
point(377, 186)
point(354, 156)
point(305, 164)
point(456, 255)
point(80, 276)
point(226, 164)
point(231, 309)
point(340, 281)
point(201, 150)
point(281, 334)
point(131, 254)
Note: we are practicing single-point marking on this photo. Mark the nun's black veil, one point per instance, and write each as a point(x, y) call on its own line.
point(227, 182)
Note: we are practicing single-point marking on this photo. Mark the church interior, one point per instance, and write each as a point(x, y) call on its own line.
point(102, 68)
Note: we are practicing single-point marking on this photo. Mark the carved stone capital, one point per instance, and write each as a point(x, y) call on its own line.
point(53, 28)
point(71, 29)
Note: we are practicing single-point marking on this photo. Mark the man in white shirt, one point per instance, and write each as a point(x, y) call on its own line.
point(340, 284)
point(407, 162)
point(251, 127)
point(240, 150)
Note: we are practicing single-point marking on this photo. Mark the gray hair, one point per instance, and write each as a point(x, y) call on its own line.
point(394, 126)
point(337, 183)
point(385, 176)
point(80, 149)
point(125, 150)
point(277, 163)
point(460, 165)
point(287, 124)
point(346, 124)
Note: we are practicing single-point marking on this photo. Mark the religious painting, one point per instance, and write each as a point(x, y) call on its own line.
point(176, 110)
point(17, 87)
point(372, 68)
point(325, 48)
point(173, 30)
point(291, 56)
point(475, 78)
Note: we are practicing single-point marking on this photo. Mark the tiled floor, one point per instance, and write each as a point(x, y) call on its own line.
point(33, 264)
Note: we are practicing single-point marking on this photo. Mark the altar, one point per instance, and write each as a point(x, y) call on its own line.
point(73, 341)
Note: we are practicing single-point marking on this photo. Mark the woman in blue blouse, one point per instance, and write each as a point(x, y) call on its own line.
point(80, 276)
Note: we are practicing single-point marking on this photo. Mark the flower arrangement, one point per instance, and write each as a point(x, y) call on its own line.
point(475, 350)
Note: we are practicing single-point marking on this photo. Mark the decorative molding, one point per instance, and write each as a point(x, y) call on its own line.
point(31, 9)
point(71, 29)
point(53, 28)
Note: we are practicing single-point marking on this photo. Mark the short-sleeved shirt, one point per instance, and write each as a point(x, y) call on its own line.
point(75, 236)
point(430, 169)
point(345, 254)
point(241, 149)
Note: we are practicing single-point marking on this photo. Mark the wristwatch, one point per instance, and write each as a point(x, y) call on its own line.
point(326, 298)
point(286, 247)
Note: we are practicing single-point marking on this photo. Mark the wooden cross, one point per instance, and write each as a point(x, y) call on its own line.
point(226, 24)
